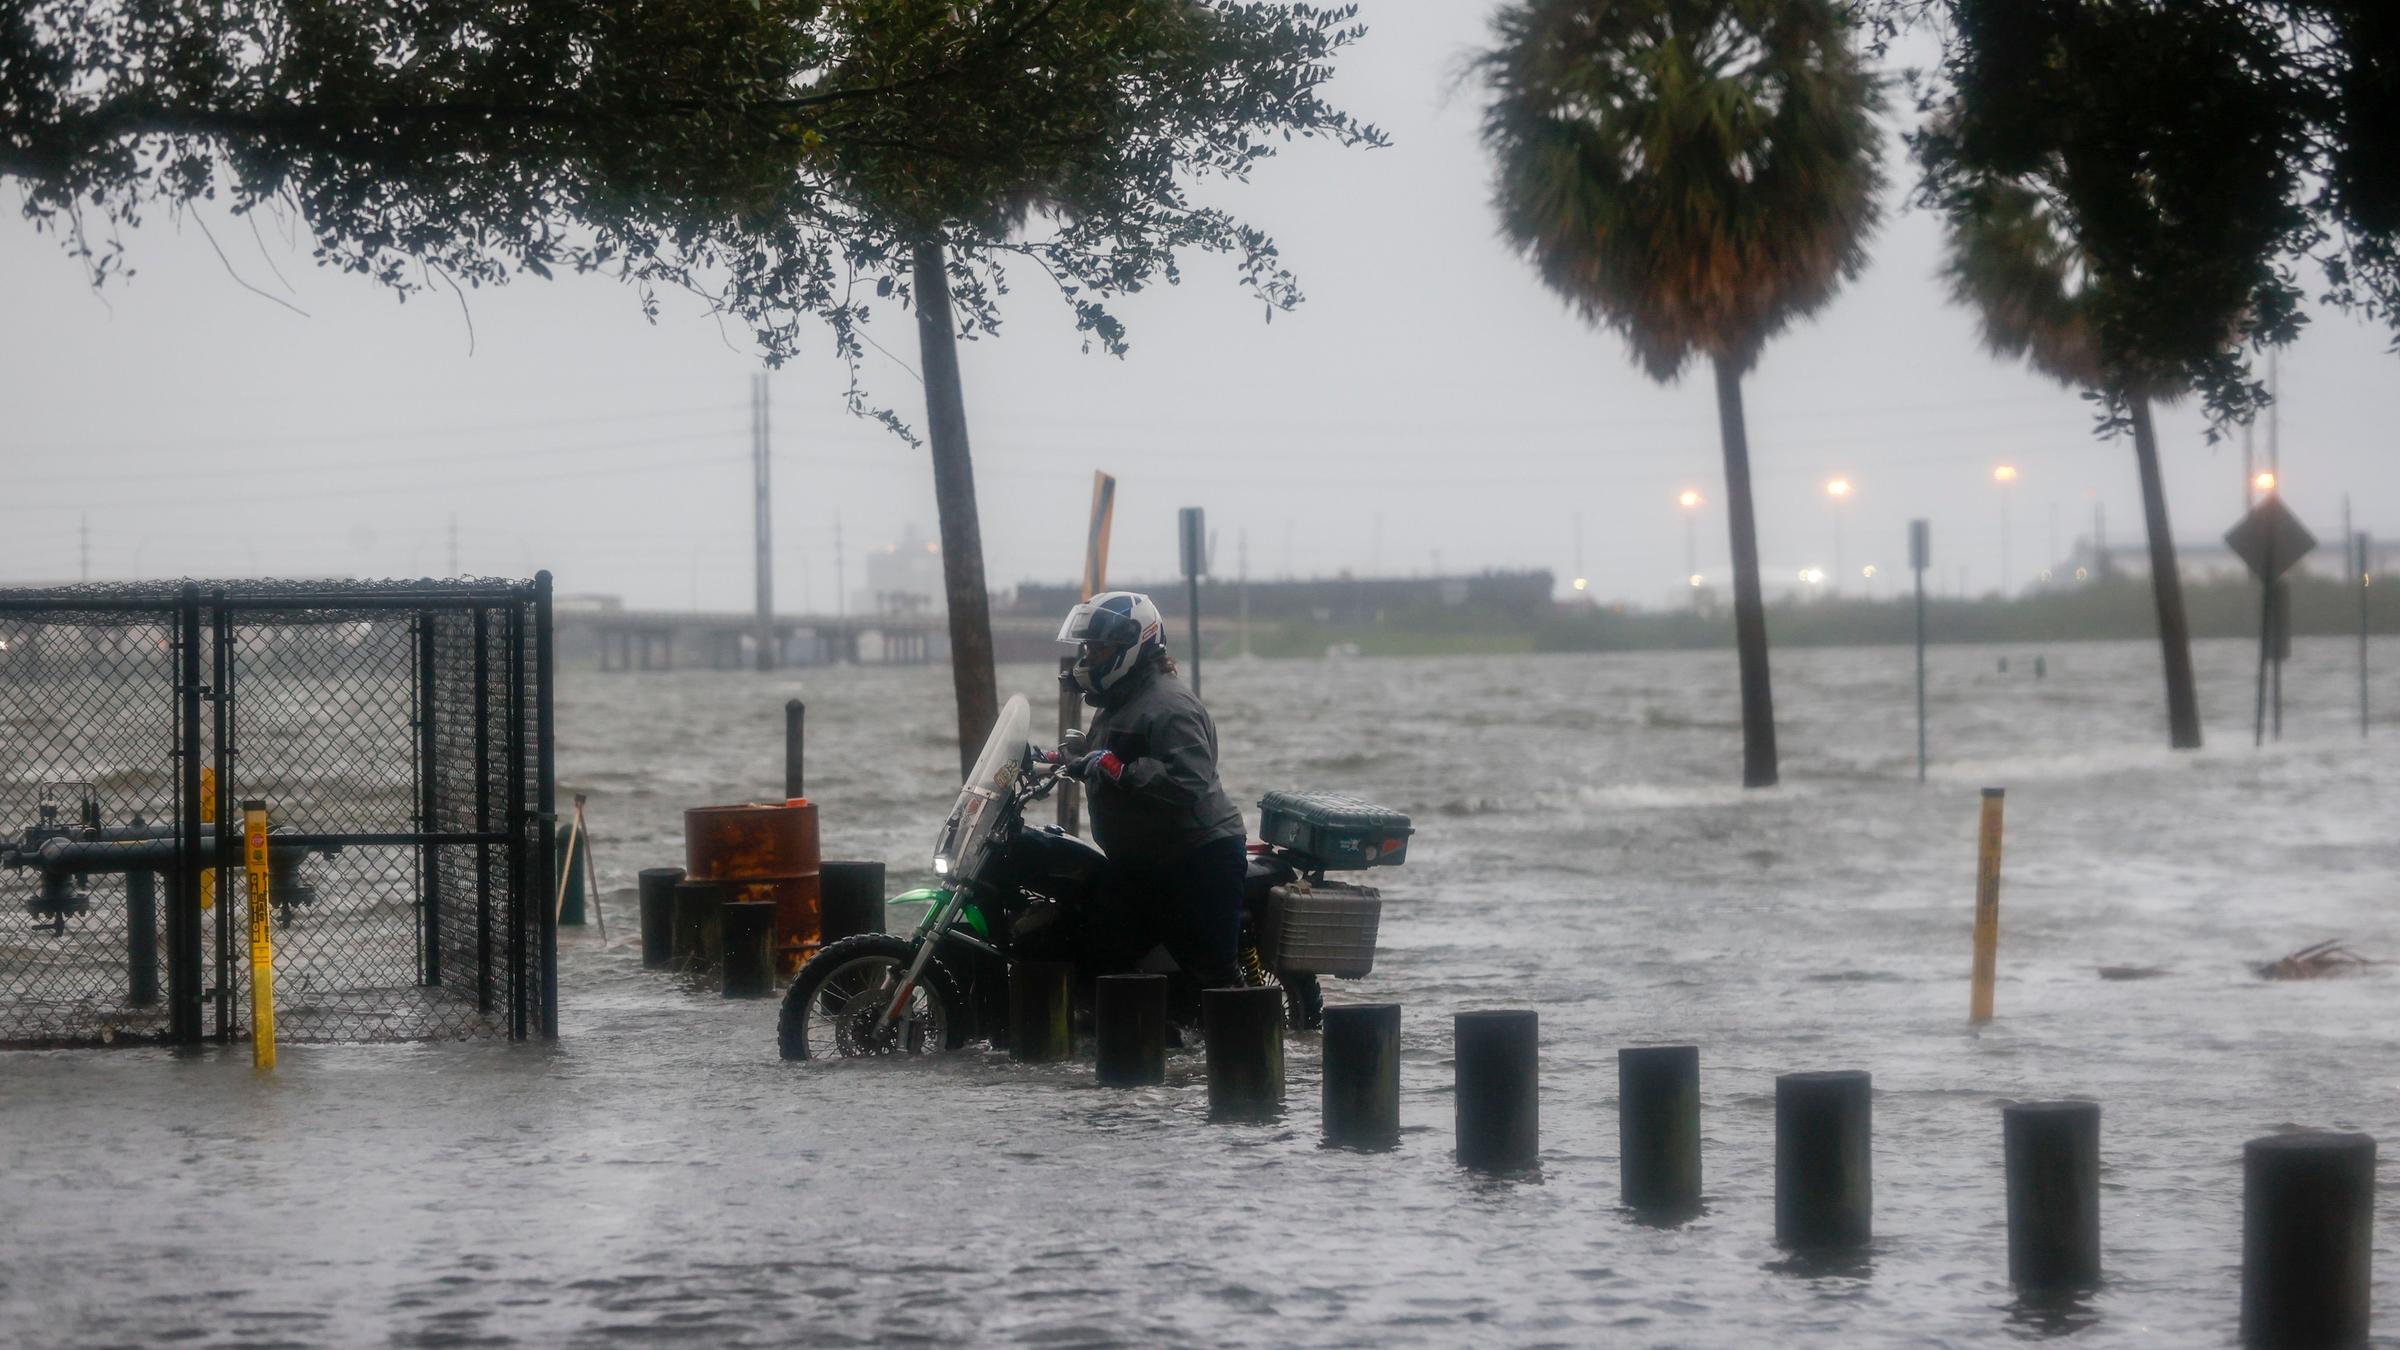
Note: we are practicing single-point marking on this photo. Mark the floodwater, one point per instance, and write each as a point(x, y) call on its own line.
point(659, 1177)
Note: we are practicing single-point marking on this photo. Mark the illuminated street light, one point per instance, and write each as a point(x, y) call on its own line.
point(2004, 475)
point(2264, 482)
point(1868, 571)
point(1689, 500)
point(1838, 489)
point(1582, 584)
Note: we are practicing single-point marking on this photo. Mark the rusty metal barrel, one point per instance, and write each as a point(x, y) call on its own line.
point(763, 851)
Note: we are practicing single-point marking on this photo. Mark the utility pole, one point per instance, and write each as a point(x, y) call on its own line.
point(763, 510)
point(1242, 553)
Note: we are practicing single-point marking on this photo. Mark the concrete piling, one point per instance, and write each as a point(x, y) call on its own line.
point(1041, 1026)
point(749, 941)
point(657, 886)
point(1129, 1026)
point(1244, 1030)
point(1658, 1130)
point(2052, 1152)
point(1361, 1093)
point(1498, 1066)
point(2308, 1229)
point(851, 899)
point(697, 934)
point(1824, 1160)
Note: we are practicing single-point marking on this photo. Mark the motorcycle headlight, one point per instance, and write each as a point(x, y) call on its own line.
point(941, 866)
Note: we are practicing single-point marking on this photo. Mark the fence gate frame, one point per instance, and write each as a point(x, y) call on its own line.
point(494, 841)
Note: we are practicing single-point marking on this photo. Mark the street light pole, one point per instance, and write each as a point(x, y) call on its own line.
point(1839, 490)
point(2004, 475)
point(1690, 501)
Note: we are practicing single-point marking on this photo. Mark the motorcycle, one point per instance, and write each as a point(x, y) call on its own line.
point(1008, 889)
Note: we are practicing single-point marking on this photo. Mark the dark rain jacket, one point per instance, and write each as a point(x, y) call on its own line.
point(1167, 801)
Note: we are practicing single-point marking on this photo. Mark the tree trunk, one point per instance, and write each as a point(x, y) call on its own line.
point(1749, 605)
point(2174, 632)
point(971, 674)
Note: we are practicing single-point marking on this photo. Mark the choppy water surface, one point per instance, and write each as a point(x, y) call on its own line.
point(660, 1176)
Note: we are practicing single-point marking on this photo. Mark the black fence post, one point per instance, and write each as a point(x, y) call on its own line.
point(183, 910)
point(1658, 1130)
point(2308, 1239)
point(429, 859)
point(2051, 1154)
point(1824, 1160)
point(483, 808)
point(1359, 1097)
point(221, 689)
point(544, 670)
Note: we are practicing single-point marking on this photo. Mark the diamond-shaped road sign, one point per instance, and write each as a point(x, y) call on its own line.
point(2271, 539)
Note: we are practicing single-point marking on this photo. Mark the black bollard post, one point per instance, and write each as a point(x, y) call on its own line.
point(1824, 1159)
point(697, 937)
point(1041, 1025)
point(1498, 1054)
point(2308, 1229)
point(749, 948)
point(1244, 1031)
point(795, 716)
point(1129, 1024)
point(852, 899)
point(2052, 1151)
point(141, 937)
point(658, 914)
point(1658, 1129)
point(1361, 1096)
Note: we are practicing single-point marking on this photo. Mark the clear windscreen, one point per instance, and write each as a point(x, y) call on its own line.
point(977, 812)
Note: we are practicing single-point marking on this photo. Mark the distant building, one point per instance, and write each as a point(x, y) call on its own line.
point(903, 578)
point(1330, 600)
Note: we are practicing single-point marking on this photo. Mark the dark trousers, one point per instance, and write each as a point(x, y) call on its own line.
point(1193, 905)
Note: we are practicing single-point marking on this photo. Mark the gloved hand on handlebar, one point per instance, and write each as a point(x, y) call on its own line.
point(1099, 763)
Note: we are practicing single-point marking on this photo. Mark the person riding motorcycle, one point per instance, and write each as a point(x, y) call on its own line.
point(1175, 842)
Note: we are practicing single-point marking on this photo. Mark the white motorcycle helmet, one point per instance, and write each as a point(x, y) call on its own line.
point(1112, 633)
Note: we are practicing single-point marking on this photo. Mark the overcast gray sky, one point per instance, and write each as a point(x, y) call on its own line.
point(1429, 404)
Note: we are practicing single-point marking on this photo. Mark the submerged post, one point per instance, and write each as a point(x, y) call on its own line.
point(1658, 1129)
point(1987, 906)
point(1129, 1025)
point(2308, 1238)
point(749, 948)
point(697, 906)
point(2052, 1155)
point(1041, 1027)
point(1244, 1031)
point(795, 747)
point(850, 899)
point(1361, 1093)
point(658, 914)
point(1824, 1160)
point(1498, 1066)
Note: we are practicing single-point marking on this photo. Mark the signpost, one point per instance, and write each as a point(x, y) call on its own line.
point(1193, 528)
point(2271, 540)
point(1095, 579)
point(2359, 578)
point(1920, 557)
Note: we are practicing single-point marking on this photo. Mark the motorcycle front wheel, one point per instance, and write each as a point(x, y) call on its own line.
point(835, 1007)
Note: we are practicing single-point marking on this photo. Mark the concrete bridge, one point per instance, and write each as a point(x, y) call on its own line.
point(626, 639)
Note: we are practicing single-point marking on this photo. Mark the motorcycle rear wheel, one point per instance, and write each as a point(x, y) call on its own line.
point(833, 1008)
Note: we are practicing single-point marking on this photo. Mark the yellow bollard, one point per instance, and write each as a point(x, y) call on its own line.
point(262, 937)
point(208, 829)
point(1987, 905)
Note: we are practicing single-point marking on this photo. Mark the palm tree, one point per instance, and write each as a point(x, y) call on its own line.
point(2012, 259)
point(1697, 174)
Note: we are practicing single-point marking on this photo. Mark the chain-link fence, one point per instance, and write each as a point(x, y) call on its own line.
point(398, 734)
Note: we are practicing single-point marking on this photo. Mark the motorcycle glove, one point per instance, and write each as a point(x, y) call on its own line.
point(1100, 763)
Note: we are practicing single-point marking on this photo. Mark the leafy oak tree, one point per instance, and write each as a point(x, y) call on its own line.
point(798, 164)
